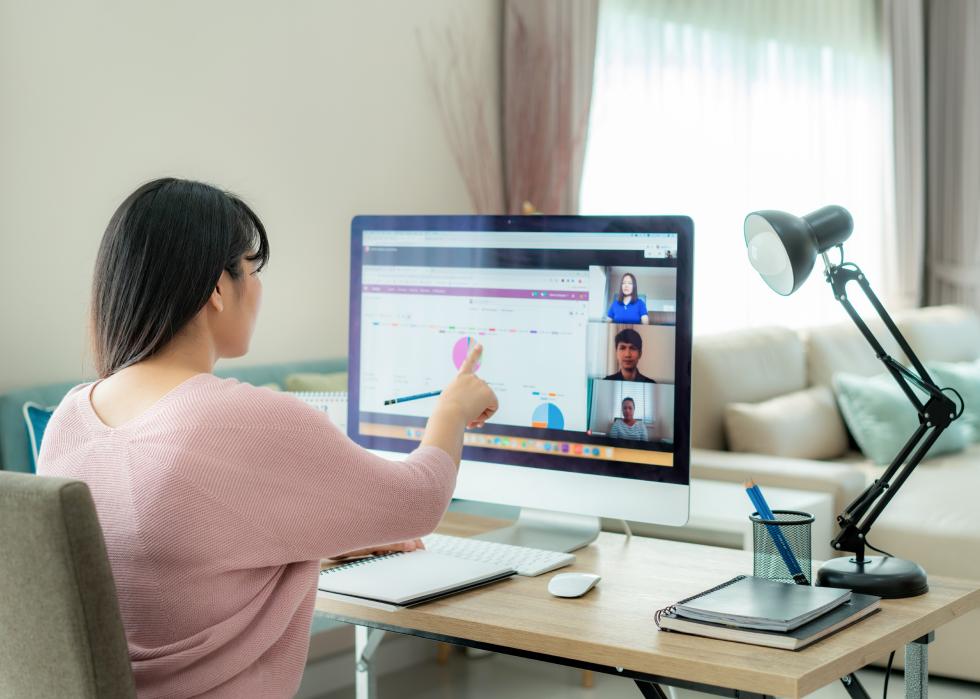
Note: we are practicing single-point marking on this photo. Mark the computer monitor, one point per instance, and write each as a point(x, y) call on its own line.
point(593, 373)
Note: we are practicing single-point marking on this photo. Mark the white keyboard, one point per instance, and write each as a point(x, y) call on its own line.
point(526, 561)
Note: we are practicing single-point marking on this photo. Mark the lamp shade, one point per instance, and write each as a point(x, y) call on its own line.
point(783, 247)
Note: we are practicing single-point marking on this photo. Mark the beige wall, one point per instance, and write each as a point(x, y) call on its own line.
point(313, 111)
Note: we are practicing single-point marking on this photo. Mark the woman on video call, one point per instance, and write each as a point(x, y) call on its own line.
point(219, 499)
point(628, 307)
point(626, 427)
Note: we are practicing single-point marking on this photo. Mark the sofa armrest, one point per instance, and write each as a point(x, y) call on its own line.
point(843, 482)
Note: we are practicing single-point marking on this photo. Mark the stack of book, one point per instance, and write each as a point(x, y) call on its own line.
point(767, 613)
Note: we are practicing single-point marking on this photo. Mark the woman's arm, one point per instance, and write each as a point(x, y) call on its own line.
point(292, 475)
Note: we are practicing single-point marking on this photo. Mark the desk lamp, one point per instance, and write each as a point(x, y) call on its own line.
point(783, 249)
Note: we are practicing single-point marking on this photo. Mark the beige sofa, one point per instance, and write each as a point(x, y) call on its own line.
point(934, 520)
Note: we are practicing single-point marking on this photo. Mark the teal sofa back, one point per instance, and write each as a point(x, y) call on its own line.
point(15, 448)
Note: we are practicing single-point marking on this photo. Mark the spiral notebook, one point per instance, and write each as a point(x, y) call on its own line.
point(749, 602)
point(408, 579)
point(767, 613)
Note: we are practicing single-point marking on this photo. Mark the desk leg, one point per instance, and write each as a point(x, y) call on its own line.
point(854, 687)
point(917, 667)
point(366, 641)
point(650, 690)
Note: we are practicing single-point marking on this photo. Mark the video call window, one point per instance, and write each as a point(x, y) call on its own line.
point(632, 411)
point(635, 295)
point(634, 353)
point(581, 354)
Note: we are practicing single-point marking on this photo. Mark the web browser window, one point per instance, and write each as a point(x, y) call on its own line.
point(578, 333)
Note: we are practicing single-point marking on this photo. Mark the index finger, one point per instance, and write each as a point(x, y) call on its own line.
point(472, 359)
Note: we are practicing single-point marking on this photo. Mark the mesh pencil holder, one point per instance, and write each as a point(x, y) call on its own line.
point(767, 559)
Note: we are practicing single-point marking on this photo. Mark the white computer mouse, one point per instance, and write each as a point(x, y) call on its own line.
point(572, 584)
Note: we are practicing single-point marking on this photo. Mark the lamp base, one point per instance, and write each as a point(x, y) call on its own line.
point(889, 578)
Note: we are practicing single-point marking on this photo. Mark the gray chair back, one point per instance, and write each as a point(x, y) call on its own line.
point(61, 634)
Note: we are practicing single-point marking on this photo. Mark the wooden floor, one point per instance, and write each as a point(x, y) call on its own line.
point(504, 677)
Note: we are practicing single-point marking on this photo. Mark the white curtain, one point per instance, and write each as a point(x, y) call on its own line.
point(904, 34)
point(716, 108)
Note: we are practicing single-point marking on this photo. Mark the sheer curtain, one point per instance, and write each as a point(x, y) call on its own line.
point(954, 152)
point(714, 108)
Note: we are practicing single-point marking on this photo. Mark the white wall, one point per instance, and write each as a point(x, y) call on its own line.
point(312, 111)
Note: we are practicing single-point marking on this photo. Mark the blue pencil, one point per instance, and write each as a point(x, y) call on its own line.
point(403, 399)
point(778, 538)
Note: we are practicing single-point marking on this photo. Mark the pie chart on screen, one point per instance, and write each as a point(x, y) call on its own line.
point(548, 415)
point(462, 349)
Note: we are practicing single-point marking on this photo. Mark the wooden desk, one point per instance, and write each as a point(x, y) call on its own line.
point(611, 629)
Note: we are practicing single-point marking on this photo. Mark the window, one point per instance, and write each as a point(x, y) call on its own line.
point(714, 109)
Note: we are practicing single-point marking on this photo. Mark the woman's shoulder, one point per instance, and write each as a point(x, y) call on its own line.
point(233, 403)
point(68, 407)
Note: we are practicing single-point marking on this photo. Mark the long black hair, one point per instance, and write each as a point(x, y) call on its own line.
point(160, 259)
point(635, 295)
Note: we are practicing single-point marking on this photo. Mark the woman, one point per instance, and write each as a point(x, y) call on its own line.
point(218, 499)
point(628, 307)
point(627, 427)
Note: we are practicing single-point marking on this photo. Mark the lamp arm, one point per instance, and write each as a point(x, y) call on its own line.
point(935, 414)
point(856, 519)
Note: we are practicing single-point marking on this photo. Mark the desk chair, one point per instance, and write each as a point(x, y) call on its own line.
point(62, 632)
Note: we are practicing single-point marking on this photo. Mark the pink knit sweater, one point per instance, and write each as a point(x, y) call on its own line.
point(217, 505)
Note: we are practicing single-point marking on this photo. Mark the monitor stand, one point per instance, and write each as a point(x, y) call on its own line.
point(544, 529)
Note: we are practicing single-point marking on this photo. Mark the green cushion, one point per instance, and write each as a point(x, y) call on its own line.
point(965, 378)
point(277, 373)
point(36, 418)
point(15, 443)
point(309, 381)
point(881, 418)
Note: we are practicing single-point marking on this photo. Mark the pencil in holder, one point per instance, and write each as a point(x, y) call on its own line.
point(769, 554)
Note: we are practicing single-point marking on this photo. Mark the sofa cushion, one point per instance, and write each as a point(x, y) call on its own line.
point(746, 366)
point(842, 348)
point(881, 418)
point(842, 481)
point(942, 333)
point(964, 378)
point(15, 444)
point(36, 418)
point(934, 519)
point(310, 381)
point(803, 425)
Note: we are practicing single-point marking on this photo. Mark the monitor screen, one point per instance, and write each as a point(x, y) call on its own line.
point(585, 324)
